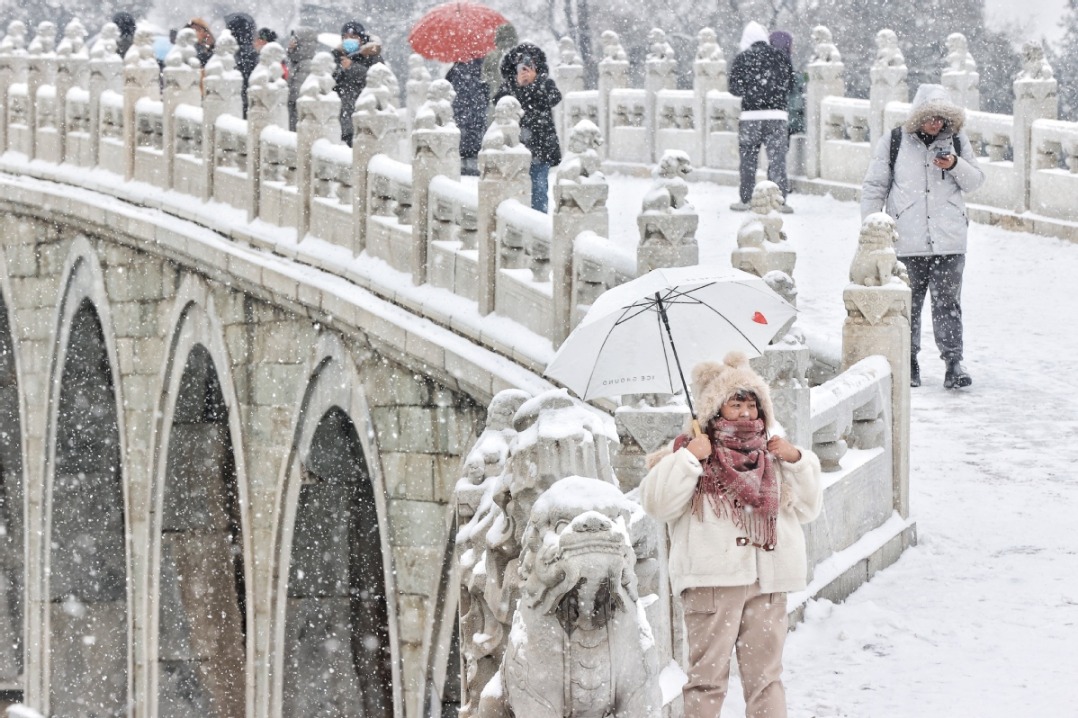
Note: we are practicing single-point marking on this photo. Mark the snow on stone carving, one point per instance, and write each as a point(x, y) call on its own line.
point(580, 643)
point(417, 69)
point(667, 221)
point(612, 49)
point(44, 41)
point(707, 46)
point(875, 263)
point(567, 53)
point(580, 186)
point(824, 49)
point(888, 53)
point(268, 73)
point(73, 43)
point(670, 191)
point(15, 40)
point(319, 83)
point(182, 52)
point(504, 131)
point(140, 54)
point(108, 41)
point(1034, 64)
point(437, 110)
point(528, 445)
point(761, 242)
point(381, 84)
point(958, 57)
point(658, 47)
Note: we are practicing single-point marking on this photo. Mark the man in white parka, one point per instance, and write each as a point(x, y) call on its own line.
point(919, 180)
point(734, 500)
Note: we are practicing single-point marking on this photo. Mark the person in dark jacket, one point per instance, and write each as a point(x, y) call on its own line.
point(761, 75)
point(795, 100)
point(357, 54)
point(526, 76)
point(469, 110)
point(242, 26)
point(125, 23)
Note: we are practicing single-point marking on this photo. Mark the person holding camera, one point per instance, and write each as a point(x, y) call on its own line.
point(526, 76)
point(917, 175)
point(357, 54)
point(733, 499)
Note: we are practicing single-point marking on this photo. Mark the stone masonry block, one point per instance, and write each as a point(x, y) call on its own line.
point(417, 524)
point(387, 425)
point(51, 258)
point(420, 430)
point(389, 385)
point(277, 384)
point(136, 319)
point(144, 355)
point(412, 618)
point(139, 391)
point(34, 291)
point(409, 476)
point(21, 258)
point(283, 342)
point(419, 569)
point(447, 470)
point(270, 424)
point(237, 339)
point(36, 323)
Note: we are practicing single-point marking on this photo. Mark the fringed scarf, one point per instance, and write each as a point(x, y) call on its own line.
point(739, 479)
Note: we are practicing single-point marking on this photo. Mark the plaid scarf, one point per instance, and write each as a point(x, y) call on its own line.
point(739, 479)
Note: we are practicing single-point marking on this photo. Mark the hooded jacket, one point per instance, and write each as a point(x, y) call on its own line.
point(761, 75)
point(925, 202)
point(351, 80)
point(704, 550)
point(537, 130)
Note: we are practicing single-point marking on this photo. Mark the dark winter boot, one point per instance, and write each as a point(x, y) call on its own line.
point(915, 373)
point(956, 377)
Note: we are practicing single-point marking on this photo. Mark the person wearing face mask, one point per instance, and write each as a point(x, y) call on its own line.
point(734, 497)
point(357, 54)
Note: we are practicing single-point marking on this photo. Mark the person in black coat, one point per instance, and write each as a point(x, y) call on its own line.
point(242, 26)
point(469, 110)
point(357, 54)
point(125, 23)
point(761, 75)
point(526, 76)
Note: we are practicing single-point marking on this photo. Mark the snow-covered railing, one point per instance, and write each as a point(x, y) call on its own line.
point(577, 106)
point(77, 139)
point(844, 148)
point(389, 204)
point(111, 123)
point(18, 133)
point(990, 136)
point(277, 202)
point(675, 123)
point(628, 135)
point(1054, 180)
point(149, 140)
point(230, 161)
point(722, 111)
point(187, 174)
point(598, 265)
point(331, 189)
point(453, 229)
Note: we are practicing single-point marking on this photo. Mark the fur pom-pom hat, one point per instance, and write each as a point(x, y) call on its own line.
point(713, 384)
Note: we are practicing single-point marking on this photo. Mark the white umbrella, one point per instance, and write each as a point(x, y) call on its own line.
point(636, 337)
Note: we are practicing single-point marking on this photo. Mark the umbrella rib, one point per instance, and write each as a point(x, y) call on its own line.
point(620, 320)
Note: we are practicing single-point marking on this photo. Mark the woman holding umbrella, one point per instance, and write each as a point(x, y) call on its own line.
point(733, 498)
point(525, 76)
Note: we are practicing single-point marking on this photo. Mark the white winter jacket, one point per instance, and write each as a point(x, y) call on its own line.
point(926, 202)
point(704, 551)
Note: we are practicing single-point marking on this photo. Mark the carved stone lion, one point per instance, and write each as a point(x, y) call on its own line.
point(268, 72)
point(824, 49)
point(567, 53)
point(875, 263)
point(707, 46)
point(888, 53)
point(580, 644)
point(658, 47)
point(958, 57)
point(670, 191)
point(1034, 65)
point(504, 132)
point(612, 49)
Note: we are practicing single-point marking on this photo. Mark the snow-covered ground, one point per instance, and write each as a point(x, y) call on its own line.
point(979, 619)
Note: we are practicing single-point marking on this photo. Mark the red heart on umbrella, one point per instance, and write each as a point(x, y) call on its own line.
point(759, 318)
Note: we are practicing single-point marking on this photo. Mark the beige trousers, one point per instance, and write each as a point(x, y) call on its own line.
point(719, 620)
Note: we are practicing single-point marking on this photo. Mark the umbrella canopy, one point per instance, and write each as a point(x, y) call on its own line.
point(636, 337)
point(456, 32)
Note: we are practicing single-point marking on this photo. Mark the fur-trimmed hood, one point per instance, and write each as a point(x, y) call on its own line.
point(934, 101)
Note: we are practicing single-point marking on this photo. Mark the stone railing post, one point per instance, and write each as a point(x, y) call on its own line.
point(1035, 98)
point(318, 112)
point(435, 151)
point(13, 62)
point(415, 88)
point(659, 75)
point(878, 322)
point(960, 75)
point(72, 70)
point(376, 127)
point(569, 76)
point(181, 87)
point(141, 79)
point(888, 75)
point(580, 195)
point(503, 174)
point(824, 80)
point(267, 93)
point(222, 86)
point(667, 220)
point(708, 73)
point(40, 71)
point(613, 75)
point(106, 70)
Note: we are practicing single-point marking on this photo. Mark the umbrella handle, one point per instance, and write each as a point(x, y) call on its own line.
point(696, 428)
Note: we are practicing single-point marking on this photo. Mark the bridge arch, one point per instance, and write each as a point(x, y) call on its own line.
point(86, 586)
point(13, 519)
point(334, 515)
point(199, 525)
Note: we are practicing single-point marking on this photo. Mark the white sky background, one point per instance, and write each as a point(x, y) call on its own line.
point(980, 618)
point(1035, 18)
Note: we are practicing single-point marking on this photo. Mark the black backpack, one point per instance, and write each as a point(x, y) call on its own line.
point(896, 140)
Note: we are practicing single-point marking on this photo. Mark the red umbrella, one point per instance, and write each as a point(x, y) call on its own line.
point(456, 32)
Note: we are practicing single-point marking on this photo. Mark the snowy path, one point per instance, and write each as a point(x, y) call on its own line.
point(980, 618)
